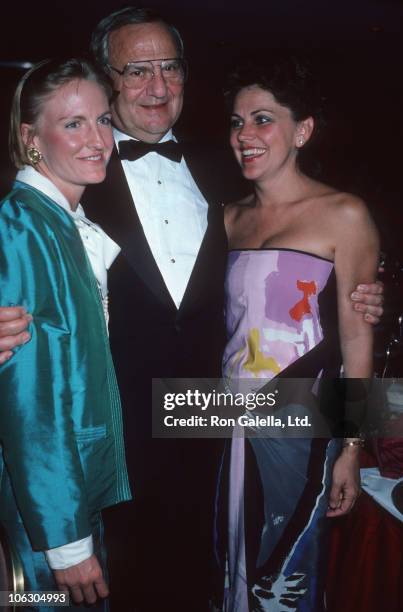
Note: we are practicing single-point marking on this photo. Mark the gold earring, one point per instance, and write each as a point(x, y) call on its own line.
point(34, 155)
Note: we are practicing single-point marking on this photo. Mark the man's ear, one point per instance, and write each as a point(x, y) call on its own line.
point(304, 131)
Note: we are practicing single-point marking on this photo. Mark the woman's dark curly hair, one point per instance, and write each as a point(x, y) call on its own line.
point(289, 78)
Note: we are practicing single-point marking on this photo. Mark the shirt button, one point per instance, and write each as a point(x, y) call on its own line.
point(159, 182)
point(173, 260)
point(166, 221)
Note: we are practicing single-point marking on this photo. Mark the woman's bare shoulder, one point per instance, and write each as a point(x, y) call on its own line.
point(342, 204)
point(233, 209)
point(351, 222)
point(347, 208)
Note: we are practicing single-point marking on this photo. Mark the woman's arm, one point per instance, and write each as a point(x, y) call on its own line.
point(356, 261)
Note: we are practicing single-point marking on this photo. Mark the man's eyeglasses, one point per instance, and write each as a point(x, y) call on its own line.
point(137, 74)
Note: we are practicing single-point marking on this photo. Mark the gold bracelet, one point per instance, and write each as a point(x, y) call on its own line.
point(353, 442)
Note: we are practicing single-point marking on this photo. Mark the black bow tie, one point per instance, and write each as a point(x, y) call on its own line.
point(134, 149)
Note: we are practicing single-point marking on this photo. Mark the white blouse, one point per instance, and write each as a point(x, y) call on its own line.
point(101, 249)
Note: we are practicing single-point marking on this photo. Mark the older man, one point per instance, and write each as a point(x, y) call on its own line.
point(166, 305)
point(166, 301)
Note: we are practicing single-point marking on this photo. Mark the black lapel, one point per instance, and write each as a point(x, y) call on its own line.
point(207, 278)
point(209, 268)
point(198, 162)
point(110, 204)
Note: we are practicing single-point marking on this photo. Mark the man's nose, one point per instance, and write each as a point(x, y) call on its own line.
point(157, 86)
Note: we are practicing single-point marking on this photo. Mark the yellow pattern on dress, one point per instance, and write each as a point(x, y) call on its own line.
point(257, 361)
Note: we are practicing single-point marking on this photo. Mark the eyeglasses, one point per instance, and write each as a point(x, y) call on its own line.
point(137, 74)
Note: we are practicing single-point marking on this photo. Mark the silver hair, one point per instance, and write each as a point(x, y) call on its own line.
point(130, 15)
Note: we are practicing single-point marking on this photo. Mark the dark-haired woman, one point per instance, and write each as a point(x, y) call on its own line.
point(62, 455)
point(287, 240)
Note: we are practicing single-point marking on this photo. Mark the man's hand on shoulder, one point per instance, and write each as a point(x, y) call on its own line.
point(369, 299)
point(14, 322)
point(84, 581)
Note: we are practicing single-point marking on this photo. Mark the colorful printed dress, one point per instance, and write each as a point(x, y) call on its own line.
point(277, 487)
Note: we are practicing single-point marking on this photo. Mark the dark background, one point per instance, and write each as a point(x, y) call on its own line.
point(356, 47)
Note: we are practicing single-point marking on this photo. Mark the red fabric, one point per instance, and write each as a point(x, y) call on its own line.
point(389, 450)
point(366, 560)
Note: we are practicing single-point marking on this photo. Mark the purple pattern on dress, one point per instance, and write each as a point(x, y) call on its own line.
point(272, 310)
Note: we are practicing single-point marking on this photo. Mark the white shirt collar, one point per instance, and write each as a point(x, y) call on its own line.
point(32, 177)
point(118, 135)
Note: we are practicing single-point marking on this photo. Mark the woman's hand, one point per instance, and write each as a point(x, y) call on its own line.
point(345, 482)
point(84, 581)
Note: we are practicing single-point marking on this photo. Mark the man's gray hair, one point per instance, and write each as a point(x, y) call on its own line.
point(130, 15)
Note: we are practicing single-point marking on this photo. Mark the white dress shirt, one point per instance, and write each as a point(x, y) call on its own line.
point(101, 251)
point(172, 212)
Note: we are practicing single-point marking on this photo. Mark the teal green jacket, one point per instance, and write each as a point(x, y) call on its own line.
point(60, 416)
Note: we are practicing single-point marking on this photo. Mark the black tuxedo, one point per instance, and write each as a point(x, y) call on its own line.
point(170, 519)
point(141, 308)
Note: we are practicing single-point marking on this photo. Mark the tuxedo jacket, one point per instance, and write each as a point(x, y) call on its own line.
point(149, 336)
point(61, 439)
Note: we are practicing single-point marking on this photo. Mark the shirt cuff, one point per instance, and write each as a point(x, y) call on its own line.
point(63, 557)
